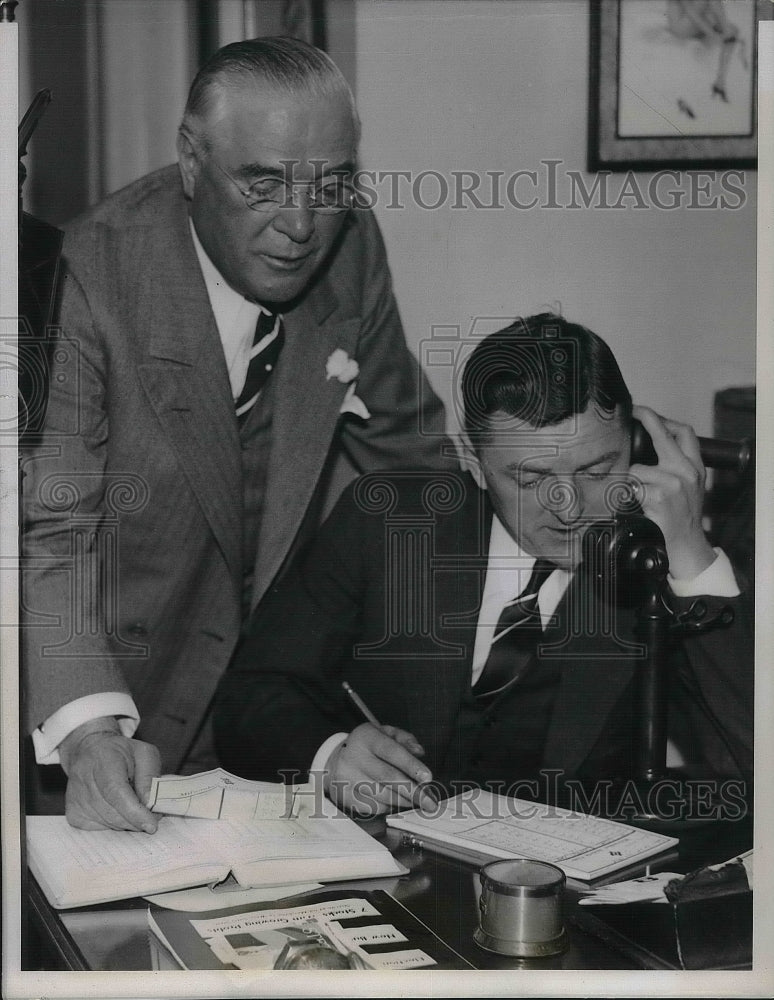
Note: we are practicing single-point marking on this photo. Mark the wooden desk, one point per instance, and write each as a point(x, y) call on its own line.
point(440, 891)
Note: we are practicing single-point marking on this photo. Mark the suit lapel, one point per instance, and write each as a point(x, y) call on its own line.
point(459, 570)
point(186, 381)
point(304, 421)
point(595, 670)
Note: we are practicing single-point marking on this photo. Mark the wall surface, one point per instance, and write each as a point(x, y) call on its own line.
point(502, 86)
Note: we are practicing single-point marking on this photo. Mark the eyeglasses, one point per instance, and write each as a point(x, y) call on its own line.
point(329, 196)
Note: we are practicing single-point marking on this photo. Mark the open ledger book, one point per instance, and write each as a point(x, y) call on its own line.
point(261, 834)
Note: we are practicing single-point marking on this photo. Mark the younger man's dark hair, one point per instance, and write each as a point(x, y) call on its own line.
point(542, 370)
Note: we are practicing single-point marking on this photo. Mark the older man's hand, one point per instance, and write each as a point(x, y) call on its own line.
point(108, 778)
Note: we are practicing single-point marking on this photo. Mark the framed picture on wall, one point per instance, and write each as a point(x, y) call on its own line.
point(673, 83)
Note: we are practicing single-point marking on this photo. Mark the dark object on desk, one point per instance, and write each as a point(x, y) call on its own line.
point(708, 883)
point(706, 924)
point(698, 934)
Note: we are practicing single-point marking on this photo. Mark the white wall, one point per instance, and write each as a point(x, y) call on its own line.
point(502, 85)
point(142, 39)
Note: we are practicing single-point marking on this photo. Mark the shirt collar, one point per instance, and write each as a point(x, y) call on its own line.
point(503, 546)
point(228, 306)
point(509, 566)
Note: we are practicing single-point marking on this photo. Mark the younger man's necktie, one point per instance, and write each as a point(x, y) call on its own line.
point(516, 636)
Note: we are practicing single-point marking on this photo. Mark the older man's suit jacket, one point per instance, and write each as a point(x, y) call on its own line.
point(388, 598)
point(140, 458)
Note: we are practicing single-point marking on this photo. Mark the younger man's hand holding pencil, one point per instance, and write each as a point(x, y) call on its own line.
point(376, 770)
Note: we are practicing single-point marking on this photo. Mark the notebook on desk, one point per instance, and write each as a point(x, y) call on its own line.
point(478, 826)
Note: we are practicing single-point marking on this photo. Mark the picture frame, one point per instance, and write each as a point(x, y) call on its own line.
point(672, 84)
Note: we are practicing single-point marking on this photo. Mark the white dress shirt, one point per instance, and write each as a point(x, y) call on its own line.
point(235, 318)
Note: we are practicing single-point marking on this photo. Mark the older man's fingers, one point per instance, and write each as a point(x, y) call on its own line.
point(101, 787)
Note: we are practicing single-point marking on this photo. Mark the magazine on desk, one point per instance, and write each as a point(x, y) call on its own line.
point(261, 834)
point(484, 827)
point(372, 930)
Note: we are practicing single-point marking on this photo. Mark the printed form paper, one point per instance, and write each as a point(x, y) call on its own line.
point(586, 847)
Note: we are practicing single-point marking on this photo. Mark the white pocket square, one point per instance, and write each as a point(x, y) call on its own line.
point(354, 404)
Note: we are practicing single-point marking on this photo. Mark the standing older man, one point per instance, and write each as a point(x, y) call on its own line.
point(231, 337)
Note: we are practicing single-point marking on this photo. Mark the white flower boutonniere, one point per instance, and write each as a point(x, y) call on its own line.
point(345, 369)
point(341, 366)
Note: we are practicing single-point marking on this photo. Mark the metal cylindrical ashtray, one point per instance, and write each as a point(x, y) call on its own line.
point(521, 909)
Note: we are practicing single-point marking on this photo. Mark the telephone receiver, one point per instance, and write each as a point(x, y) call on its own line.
point(624, 554)
point(716, 453)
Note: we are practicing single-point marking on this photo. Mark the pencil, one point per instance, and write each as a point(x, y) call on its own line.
point(358, 701)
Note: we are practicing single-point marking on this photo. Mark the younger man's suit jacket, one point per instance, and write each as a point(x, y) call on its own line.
point(388, 598)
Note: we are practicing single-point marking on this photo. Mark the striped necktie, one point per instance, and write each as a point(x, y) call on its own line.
point(267, 344)
point(516, 636)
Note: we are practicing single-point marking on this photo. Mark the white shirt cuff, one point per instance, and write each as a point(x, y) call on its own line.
point(49, 735)
point(717, 580)
point(325, 752)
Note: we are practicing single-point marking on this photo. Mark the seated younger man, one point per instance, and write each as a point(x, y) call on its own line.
point(457, 611)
